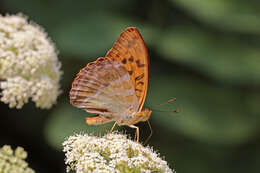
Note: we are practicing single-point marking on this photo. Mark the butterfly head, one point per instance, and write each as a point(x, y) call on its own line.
point(144, 114)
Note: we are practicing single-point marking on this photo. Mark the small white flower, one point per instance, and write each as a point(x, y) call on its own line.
point(29, 67)
point(13, 161)
point(109, 154)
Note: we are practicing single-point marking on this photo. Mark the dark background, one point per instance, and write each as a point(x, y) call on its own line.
point(204, 53)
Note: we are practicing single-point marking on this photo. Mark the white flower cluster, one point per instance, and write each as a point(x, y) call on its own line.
point(13, 161)
point(109, 154)
point(29, 67)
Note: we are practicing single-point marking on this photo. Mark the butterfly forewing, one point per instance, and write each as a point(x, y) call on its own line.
point(131, 51)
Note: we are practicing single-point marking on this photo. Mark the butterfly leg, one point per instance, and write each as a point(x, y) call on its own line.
point(137, 132)
point(111, 130)
point(151, 132)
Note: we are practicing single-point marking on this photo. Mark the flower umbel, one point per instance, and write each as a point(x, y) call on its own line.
point(29, 67)
point(109, 154)
point(13, 161)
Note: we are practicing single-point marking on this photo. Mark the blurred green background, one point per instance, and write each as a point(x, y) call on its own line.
point(204, 53)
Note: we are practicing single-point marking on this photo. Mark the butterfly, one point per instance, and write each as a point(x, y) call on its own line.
point(114, 87)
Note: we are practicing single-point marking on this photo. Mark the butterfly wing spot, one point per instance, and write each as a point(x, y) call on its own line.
point(117, 55)
point(139, 64)
point(131, 59)
point(139, 77)
point(124, 61)
point(130, 72)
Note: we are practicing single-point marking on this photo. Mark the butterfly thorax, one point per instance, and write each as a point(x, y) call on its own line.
point(140, 116)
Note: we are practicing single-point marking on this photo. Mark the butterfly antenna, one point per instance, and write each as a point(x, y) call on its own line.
point(173, 111)
point(169, 101)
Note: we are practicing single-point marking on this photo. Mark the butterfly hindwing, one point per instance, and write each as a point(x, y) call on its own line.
point(104, 87)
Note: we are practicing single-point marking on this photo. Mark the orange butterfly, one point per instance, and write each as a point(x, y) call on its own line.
point(115, 86)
